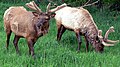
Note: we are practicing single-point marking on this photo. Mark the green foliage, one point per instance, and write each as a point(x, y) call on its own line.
point(15, 1)
point(50, 53)
point(75, 2)
point(69, 2)
point(111, 1)
point(81, 2)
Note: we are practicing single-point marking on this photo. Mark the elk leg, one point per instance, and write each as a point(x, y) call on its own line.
point(87, 43)
point(31, 45)
point(8, 38)
point(61, 30)
point(58, 33)
point(79, 40)
point(15, 41)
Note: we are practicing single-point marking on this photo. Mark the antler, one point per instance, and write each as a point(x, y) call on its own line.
point(111, 29)
point(101, 39)
point(86, 4)
point(58, 7)
point(48, 7)
point(105, 39)
point(100, 34)
point(33, 6)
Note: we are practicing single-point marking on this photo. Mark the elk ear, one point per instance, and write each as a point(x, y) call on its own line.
point(35, 14)
point(52, 15)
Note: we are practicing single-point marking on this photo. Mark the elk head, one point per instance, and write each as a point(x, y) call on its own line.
point(104, 41)
point(42, 23)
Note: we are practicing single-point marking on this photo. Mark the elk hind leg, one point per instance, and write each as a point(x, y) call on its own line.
point(61, 30)
point(15, 41)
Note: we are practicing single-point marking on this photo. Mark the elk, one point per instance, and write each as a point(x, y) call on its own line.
point(81, 22)
point(27, 24)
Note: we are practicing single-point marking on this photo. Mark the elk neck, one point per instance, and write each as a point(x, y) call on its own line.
point(92, 32)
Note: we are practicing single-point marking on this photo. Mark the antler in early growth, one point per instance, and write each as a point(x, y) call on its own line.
point(58, 7)
point(111, 29)
point(33, 6)
point(105, 39)
point(86, 4)
point(48, 7)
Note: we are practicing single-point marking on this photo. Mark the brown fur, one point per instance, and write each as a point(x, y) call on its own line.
point(27, 24)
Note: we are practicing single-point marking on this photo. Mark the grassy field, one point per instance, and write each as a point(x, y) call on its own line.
point(50, 53)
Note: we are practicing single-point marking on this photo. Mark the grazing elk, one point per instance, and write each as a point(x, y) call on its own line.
point(27, 24)
point(81, 22)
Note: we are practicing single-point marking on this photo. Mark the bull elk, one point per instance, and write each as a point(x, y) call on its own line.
point(81, 22)
point(28, 24)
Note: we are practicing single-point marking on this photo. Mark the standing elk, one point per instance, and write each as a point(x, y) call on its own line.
point(27, 24)
point(81, 22)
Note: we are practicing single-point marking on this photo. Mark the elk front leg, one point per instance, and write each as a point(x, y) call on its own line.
point(15, 41)
point(87, 43)
point(61, 30)
point(79, 39)
point(31, 45)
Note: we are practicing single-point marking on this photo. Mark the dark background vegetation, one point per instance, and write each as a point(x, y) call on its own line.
point(74, 2)
point(112, 4)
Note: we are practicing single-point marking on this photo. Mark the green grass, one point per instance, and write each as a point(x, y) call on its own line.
point(50, 53)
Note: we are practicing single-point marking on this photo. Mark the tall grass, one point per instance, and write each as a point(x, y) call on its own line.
point(50, 53)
